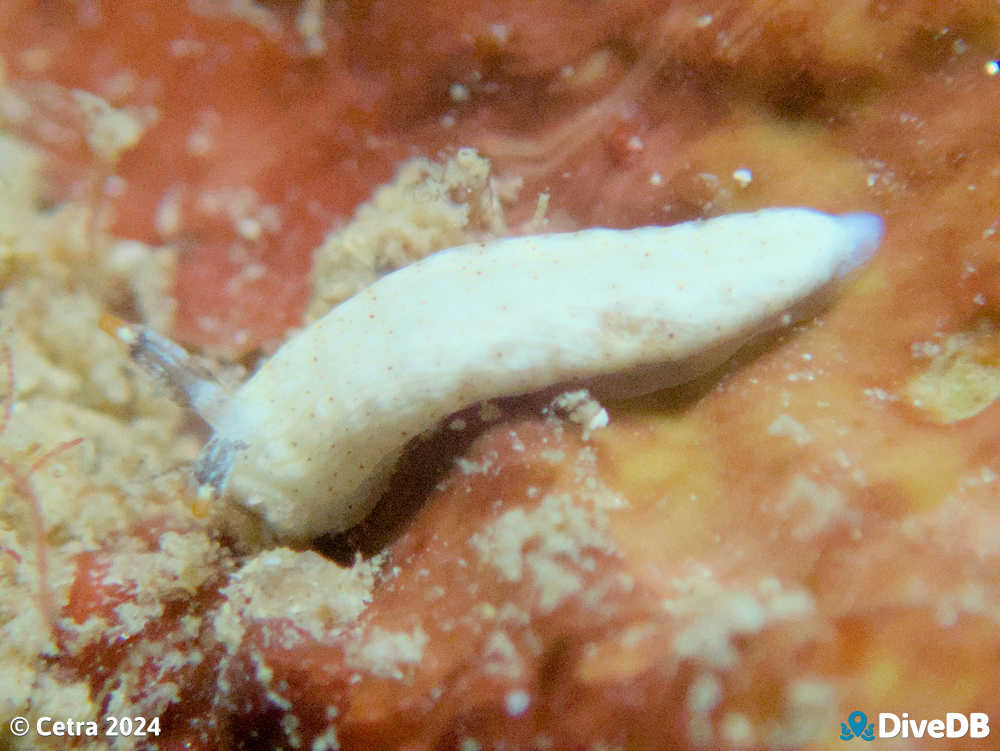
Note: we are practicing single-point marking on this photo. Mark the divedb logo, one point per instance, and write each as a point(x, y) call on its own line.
point(954, 725)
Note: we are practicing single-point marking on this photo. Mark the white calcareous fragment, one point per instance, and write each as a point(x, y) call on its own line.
point(582, 409)
point(743, 176)
point(309, 439)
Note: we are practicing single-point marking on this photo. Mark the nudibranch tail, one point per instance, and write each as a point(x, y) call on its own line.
point(865, 232)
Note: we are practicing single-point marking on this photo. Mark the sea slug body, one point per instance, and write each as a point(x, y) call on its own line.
point(307, 441)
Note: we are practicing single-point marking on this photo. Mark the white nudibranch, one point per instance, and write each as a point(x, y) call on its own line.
point(308, 440)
